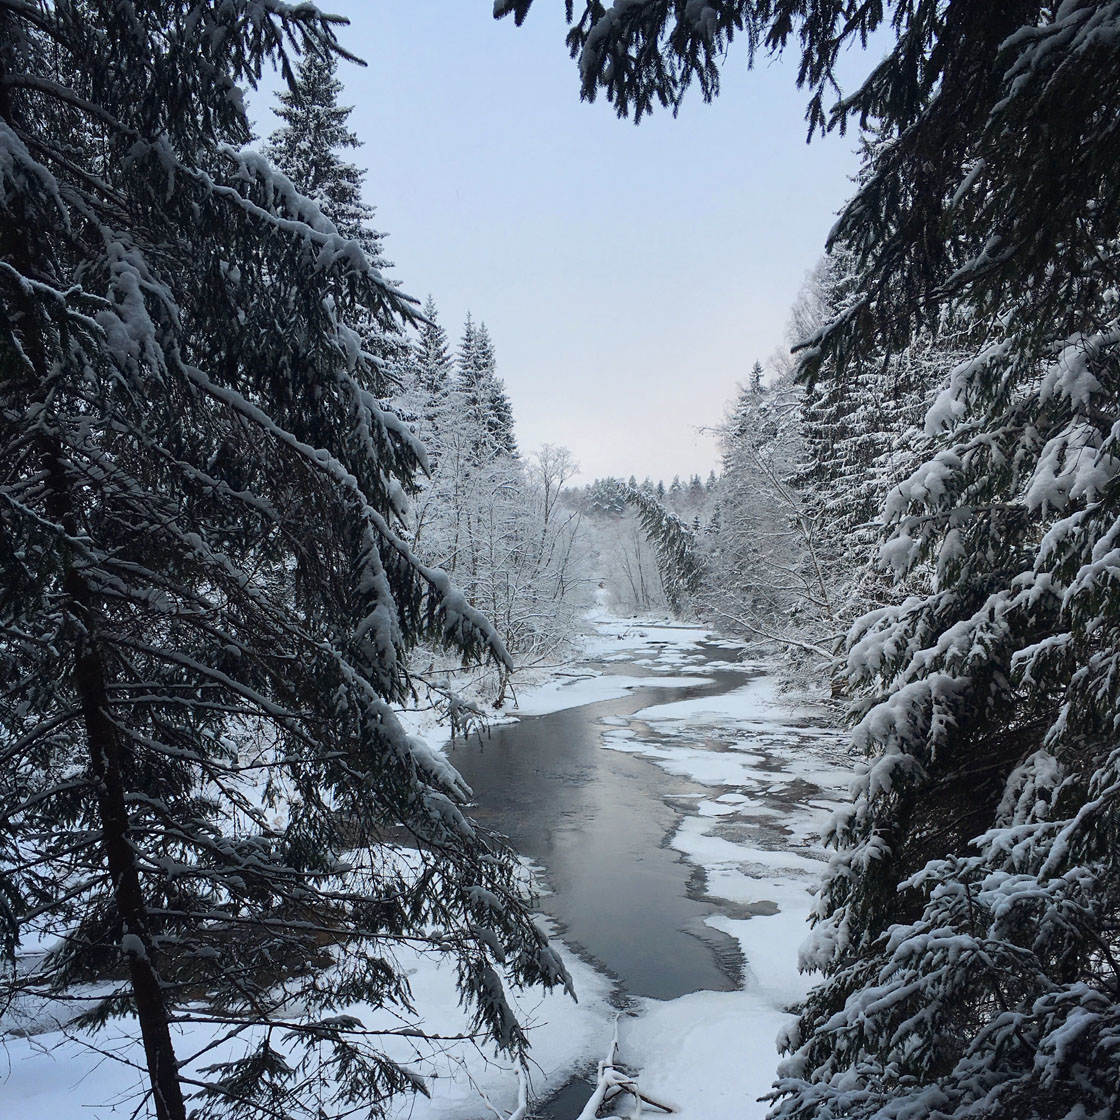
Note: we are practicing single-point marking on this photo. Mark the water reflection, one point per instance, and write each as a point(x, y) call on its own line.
point(598, 821)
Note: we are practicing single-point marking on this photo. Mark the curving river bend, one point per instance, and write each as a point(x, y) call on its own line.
point(599, 823)
point(704, 958)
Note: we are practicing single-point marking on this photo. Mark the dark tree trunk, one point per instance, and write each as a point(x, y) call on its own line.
point(107, 766)
point(102, 739)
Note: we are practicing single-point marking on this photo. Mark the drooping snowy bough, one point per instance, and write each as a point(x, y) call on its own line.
point(208, 810)
point(678, 561)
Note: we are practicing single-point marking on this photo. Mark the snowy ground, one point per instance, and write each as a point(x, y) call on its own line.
point(772, 772)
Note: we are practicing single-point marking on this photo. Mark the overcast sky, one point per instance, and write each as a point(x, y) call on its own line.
point(629, 276)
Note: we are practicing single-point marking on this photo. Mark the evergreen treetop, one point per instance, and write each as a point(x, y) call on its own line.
point(755, 381)
point(483, 392)
point(431, 357)
point(308, 147)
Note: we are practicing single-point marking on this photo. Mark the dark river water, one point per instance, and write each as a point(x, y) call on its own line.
point(599, 822)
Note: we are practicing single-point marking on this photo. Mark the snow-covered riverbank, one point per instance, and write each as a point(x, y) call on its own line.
point(772, 770)
point(768, 772)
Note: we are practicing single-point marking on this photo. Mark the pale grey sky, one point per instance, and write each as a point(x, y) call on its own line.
point(629, 276)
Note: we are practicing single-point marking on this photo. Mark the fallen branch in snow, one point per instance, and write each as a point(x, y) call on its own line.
point(522, 1109)
point(612, 1081)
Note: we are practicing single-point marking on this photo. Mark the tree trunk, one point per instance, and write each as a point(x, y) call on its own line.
point(102, 740)
point(106, 759)
point(106, 764)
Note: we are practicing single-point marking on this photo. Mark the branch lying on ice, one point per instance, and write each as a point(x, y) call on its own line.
point(522, 1109)
point(612, 1081)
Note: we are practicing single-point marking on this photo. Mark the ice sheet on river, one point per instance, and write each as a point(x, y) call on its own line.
point(773, 769)
point(776, 770)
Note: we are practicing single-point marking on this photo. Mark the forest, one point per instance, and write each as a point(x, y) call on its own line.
point(273, 558)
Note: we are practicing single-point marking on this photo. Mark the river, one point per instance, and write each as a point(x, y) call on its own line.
point(738, 775)
point(599, 823)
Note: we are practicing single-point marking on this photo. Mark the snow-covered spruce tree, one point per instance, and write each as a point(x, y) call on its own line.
point(426, 376)
point(431, 357)
point(206, 602)
point(754, 381)
point(308, 147)
point(485, 516)
point(860, 435)
point(607, 495)
point(484, 393)
point(969, 929)
point(648, 556)
point(766, 575)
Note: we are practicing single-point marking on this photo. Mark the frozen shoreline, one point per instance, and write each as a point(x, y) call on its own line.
point(776, 770)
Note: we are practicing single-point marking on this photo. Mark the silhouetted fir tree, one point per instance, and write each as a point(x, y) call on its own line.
point(308, 148)
point(483, 393)
point(427, 375)
point(432, 360)
point(755, 381)
point(207, 602)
